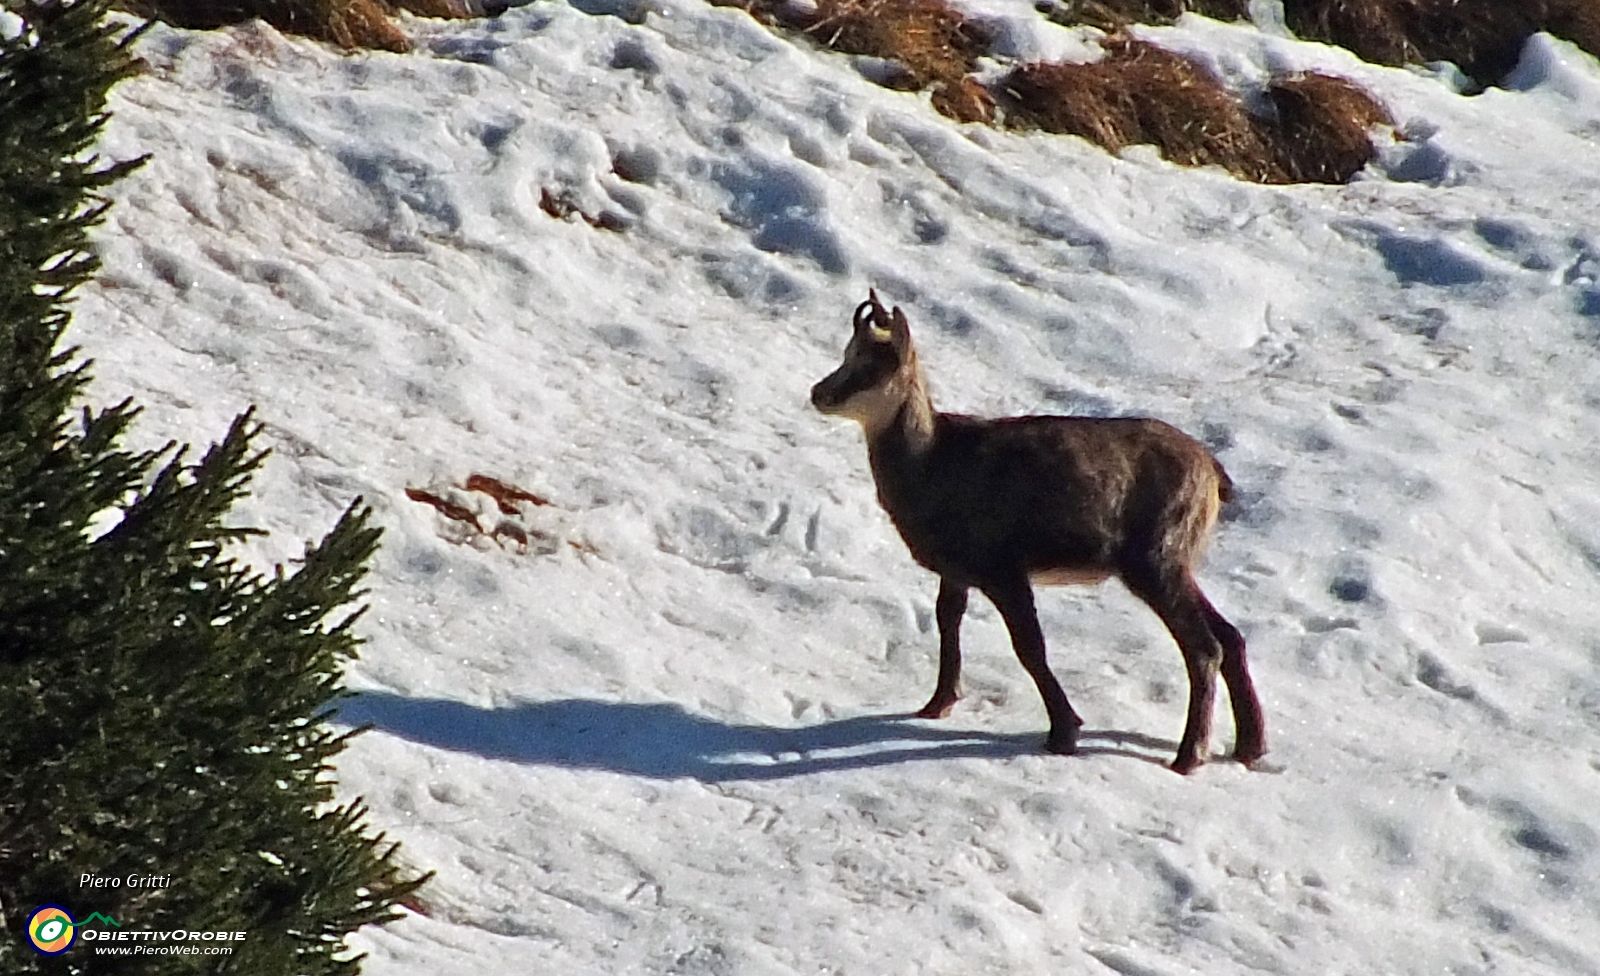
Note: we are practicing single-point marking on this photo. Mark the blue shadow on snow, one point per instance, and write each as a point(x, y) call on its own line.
point(664, 741)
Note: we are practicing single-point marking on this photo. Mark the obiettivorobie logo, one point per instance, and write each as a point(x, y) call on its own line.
point(51, 931)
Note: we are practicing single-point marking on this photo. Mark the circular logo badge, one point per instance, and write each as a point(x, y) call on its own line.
point(50, 930)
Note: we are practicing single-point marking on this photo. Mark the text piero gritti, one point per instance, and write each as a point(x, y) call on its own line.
point(125, 881)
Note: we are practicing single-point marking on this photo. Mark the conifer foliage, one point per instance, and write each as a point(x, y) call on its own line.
point(161, 703)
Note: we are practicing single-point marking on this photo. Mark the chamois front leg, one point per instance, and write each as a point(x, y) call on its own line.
point(1014, 600)
point(949, 609)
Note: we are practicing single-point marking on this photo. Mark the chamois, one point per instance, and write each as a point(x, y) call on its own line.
point(1002, 504)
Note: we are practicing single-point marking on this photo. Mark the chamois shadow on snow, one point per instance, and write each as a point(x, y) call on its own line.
point(664, 741)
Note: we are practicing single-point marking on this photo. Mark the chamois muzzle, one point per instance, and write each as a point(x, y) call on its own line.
point(823, 395)
point(833, 391)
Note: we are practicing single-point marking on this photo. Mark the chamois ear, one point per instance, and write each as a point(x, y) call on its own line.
point(900, 332)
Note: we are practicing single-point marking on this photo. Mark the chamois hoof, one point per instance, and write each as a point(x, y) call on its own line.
point(1184, 765)
point(936, 709)
point(1062, 744)
point(1248, 758)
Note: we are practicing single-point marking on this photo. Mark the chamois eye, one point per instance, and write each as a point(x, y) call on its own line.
point(863, 377)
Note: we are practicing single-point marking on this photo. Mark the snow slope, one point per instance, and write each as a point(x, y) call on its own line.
point(667, 734)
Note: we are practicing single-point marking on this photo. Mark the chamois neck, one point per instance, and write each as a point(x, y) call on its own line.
point(912, 424)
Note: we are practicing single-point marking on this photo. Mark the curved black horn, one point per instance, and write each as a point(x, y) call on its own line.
point(863, 317)
point(871, 312)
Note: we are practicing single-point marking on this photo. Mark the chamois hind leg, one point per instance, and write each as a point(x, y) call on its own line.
point(949, 609)
point(1177, 600)
point(1250, 728)
point(1014, 600)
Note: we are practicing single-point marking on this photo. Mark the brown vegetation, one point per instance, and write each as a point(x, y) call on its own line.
point(1142, 94)
point(1323, 129)
point(1137, 94)
point(1111, 15)
point(351, 24)
point(449, 9)
point(1483, 38)
point(933, 45)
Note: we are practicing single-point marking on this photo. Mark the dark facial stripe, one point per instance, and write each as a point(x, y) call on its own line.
point(856, 375)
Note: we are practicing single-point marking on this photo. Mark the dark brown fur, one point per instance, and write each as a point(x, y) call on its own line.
point(998, 504)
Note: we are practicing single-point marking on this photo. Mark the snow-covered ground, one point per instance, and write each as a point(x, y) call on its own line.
point(667, 735)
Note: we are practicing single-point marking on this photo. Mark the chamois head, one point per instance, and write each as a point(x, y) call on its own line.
point(879, 375)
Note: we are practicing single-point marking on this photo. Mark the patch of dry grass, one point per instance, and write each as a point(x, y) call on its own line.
point(1137, 94)
point(1323, 132)
point(448, 9)
point(1112, 15)
point(351, 24)
point(1142, 94)
point(1482, 37)
point(933, 45)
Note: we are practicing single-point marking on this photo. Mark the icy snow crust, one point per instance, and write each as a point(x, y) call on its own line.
point(667, 735)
